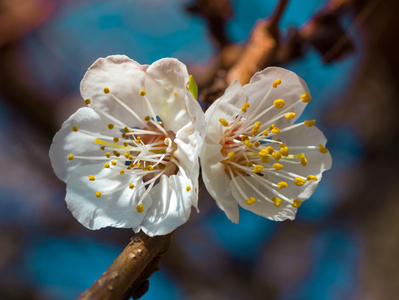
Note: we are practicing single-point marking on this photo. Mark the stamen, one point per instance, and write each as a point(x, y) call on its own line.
point(277, 166)
point(277, 201)
point(290, 115)
point(188, 188)
point(98, 194)
point(282, 185)
point(297, 203)
point(75, 128)
point(312, 177)
point(309, 123)
point(276, 83)
point(140, 208)
point(306, 98)
point(92, 178)
point(279, 103)
point(71, 157)
point(250, 201)
point(322, 149)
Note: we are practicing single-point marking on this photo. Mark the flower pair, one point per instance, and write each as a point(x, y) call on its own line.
point(130, 158)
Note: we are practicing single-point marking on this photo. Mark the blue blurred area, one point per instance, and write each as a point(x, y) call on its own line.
point(57, 56)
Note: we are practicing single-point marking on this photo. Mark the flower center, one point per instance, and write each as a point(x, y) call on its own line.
point(143, 153)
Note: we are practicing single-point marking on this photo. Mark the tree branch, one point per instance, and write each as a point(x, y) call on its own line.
point(128, 274)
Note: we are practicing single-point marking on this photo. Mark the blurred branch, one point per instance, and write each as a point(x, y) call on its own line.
point(128, 275)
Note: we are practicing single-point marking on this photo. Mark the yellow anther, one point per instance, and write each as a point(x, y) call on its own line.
point(282, 185)
point(257, 144)
point(276, 83)
point(244, 137)
point(75, 128)
point(150, 168)
point(304, 161)
point(147, 118)
point(116, 139)
point(296, 203)
point(244, 107)
point(255, 130)
point(126, 154)
point(277, 201)
point(131, 186)
point(279, 103)
point(282, 145)
point(269, 149)
point(284, 151)
point(142, 93)
point(106, 90)
point(116, 153)
point(223, 122)
point(102, 148)
point(299, 181)
point(138, 137)
point(71, 157)
point(275, 130)
point(140, 208)
point(87, 101)
point(248, 144)
point(230, 155)
point(250, 201)
point(162, 151)
point(277, 166)
point(265, 160)
point(246, 104)
point(98, 194)
point(249, 164)
point(110, 126)
point(265, 133)
point(258, 124)
point(258, 168)
point(176, 94)
point(276, 155)
point(309, 123)
point(322, 149)
point(92, 178)
point(306, 98)
point(312, 177)
point(108, 155)
point(290, 115)
point(106, 165)
point(138, 164)
point(188, 188)
point(113, 162)
point(121, 172)
point(126, 130)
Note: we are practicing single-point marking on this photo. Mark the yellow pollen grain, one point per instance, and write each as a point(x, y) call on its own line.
point(299, 181)
point(113, 162)
point(92, 178)
point(309, 123)
point(71, 157)
point(108, 155)
point(296, 203)
point(248, 144)
point(275, 130)
point(258, 169)
point(131, 186)
point(87, 101)
point(75, 128)
point(106, 165)
point(276, 83)
point(188, 188)
point(312, 177)
point(265, 133)
point(98, 194)
point(304, 161)
point(282, 185)
point(230, 155)
point(106, 90)
point(279, 103)
point(116, 139)
point(250, 201)
point(306, 98)
point(322, 149)
point(223, 122)
point(121, 172)
point(142, 93)
point(277, 201)
point(257, 144)
point(110, 126)
point(277, 166)
point(284, 151)
point(140, 208)
point(276, 155)
point(290, 115)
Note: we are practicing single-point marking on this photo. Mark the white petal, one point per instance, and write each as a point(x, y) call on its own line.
point(113, 208)
point(171, 206)
point(67, 142)
point(125, 78)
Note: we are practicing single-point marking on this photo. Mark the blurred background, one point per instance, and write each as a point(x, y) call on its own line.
point(344, 243)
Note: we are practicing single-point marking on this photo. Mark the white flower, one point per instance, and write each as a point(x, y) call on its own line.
point(254, 154)
point(130, 158)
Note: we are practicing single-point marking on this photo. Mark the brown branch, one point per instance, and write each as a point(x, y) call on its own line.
point(127, 276)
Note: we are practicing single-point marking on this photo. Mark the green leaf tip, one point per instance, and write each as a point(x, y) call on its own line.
point(192, 86)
